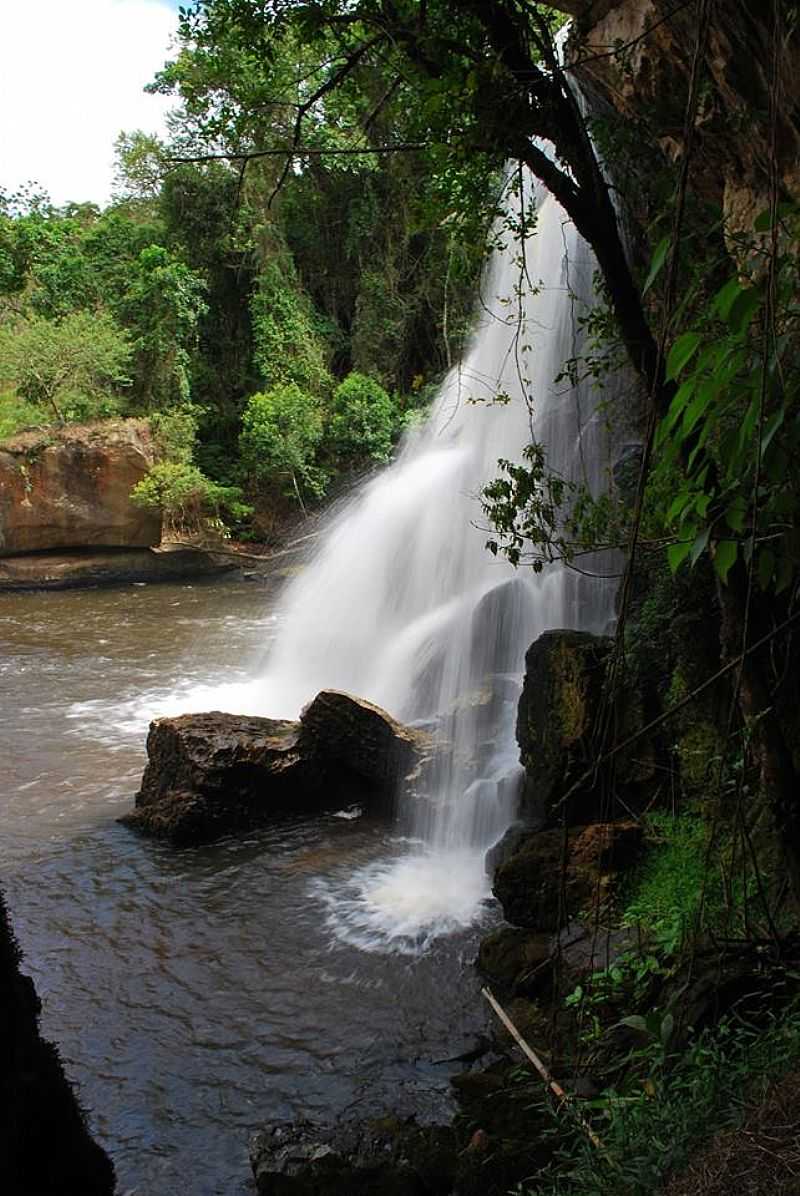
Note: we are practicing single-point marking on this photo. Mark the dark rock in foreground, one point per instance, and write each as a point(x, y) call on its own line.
point(45, 1147)
point(390, 1156)
point(557, 715)
point(212, 774)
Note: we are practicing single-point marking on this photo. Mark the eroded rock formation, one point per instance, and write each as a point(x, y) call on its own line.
point(67, 488)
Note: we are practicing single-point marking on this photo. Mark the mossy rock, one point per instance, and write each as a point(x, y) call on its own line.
point(564, 679)
point(514, 960)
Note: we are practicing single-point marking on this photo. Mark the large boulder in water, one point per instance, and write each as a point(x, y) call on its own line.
point(212, 774)
point(70, 487)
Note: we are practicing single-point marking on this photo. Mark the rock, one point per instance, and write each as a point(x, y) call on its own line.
point(45, 1146)
point(211, 774)
point(557, 715)
point(70, 488)
point(731, 159)
point(626, 470)
point(495, 628)
point(62, 570)
point(512, 841)
point(529, 884)
point(343, 731)
point(607, 845)
point(516, 961)
point(390, 1156)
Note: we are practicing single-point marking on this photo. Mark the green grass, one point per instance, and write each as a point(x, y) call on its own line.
point(669, 1106)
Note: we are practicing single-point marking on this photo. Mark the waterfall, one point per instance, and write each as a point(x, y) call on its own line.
point(403, 604)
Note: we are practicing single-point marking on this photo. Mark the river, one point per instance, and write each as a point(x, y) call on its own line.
point(194, 995)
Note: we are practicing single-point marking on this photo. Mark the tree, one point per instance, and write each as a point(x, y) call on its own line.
point(77, 366)
point(281, 431)
point(363, 420)
point(162, 305)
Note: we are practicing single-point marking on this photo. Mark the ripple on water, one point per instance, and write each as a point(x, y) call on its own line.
point(195, 995)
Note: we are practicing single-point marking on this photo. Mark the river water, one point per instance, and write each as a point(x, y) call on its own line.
point(195, 994)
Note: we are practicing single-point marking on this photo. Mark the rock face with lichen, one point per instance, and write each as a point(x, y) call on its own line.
point(213, 774)
point(69, 488)
point(648, 79)
point(557, 713)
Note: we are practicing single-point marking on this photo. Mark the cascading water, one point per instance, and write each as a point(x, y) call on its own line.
point(403, 604)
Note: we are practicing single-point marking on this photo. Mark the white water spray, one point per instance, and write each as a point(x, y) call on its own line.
point(403, 604)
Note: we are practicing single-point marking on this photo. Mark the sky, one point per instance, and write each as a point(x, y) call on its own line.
point(71, 78)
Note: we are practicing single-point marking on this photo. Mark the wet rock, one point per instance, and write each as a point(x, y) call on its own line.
point(111, 566)
point(556, 718)
point(516, 961)
point(387, 1156)
point(70, 488)
point(45, 1146)
point(339, 730)
point(626, 469)
point(512, 841)
point(212, 774)
point(548, 882)
point(498, 625)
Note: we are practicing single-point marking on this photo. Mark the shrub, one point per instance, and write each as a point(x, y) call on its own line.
point(363, 421)
point(281, 431)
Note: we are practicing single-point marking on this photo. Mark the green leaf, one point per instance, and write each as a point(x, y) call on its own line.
point(635, 1022)
point(725, 555)
point(657, 264)
point(697, 407)
point(784, 575)
point(763, 222)
point(735, 514)
point(699, 546)
point(771, 427)
point(744, 308)
point(682, 352)
point(678, 505)
point(726, 297)
point(677, 554)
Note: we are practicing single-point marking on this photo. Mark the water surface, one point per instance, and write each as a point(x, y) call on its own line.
point(194, 994)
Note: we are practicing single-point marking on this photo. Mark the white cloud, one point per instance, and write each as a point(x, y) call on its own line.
point(71, 77)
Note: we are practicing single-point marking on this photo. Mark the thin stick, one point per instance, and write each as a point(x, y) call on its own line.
point(552, 1083)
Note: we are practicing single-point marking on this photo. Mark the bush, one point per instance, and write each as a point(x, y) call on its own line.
point(190, 502)
point(363, 421)
point(281, 431)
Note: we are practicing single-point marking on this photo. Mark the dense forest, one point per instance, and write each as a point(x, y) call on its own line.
point(279, 333)
point(279, 285)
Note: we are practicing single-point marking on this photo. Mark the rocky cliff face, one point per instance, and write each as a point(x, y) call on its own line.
point(66, 488)
point(638, 55)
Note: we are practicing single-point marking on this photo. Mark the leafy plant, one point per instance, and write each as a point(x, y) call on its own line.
point(362, 421)
point(78, 367)
point(192, 505)
point(281, 431)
